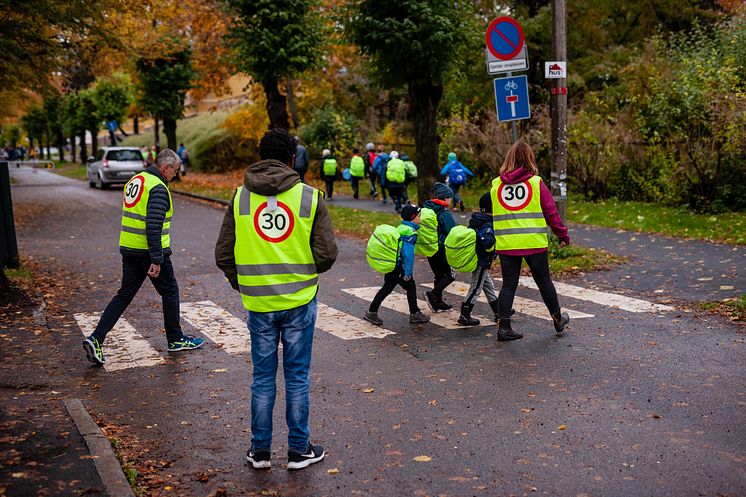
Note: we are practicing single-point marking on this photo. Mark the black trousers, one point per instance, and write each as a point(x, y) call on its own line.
point(510, 265)
point(329, 187)
point(442, 272)
point(396, 191)
point(390, 280)
point(373, 178)
point(134, 272)
point(355, 180)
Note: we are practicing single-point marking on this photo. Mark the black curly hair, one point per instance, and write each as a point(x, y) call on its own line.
point(277, 144)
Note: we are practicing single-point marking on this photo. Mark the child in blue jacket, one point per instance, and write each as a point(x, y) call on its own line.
point(456, 175)
point(402, 274)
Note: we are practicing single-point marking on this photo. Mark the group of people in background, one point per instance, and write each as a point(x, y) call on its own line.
point(148, 157)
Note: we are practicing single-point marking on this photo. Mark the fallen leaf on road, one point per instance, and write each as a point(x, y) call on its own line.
point(657, 416)
point(368, 390)
point(332, 471)
point(706, 278)
point(221, 370)
point(562, 427)
point(423, 458)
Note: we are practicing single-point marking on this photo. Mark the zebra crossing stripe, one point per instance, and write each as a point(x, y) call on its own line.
point(608, 299)
point(521, 305)
point(124, 348)
point(219, 325)
point(347, 327)
point(398, 302)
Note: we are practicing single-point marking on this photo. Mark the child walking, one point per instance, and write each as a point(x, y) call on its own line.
point(402, 273)
point(442, 271)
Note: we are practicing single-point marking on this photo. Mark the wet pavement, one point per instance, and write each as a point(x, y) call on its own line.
point(626, 403)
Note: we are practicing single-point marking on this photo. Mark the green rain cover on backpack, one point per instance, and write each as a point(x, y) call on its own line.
point(383, 248)
point(461, 249)
point(427, 235)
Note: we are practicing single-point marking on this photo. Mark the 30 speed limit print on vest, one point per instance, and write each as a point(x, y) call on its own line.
point(133, 191)
point(274, 226)
point(515, 197)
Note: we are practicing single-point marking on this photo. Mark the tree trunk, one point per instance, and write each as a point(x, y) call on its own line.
point(424, 100)
point(94, 142)
point(157, 136)
point(49, 147)
point(83, 148)
point(291, 103)
point(136, 125)
point(61, 146)
point(31, 146)
point(278, 114)
point(169, 129)
point(72, 149)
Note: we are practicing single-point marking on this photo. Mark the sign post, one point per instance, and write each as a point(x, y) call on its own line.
point(558, 101)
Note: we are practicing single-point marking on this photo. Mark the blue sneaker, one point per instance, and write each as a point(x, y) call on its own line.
point(94, 351)
point(185, 343)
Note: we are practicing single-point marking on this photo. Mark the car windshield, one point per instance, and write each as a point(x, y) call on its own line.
point(124, 155)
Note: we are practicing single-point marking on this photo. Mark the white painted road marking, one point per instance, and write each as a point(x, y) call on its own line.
point(347, 327)
point(124, 347)
point(398, 302)
point(218, 325)
point(608, 299)
point(521, 305)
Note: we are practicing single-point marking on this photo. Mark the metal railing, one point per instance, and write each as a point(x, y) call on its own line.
point(35, 164)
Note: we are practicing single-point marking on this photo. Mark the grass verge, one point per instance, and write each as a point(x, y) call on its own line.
point(733, 308)
point(71, 170)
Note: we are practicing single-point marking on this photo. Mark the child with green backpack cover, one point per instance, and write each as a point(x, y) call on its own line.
point(395, 257)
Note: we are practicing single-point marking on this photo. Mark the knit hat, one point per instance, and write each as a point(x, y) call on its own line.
point(485, 203)
point(452, 156)
point(326, 152)
point(370, 146)
point(442, 191)
point(409, 212)
point(394, 154)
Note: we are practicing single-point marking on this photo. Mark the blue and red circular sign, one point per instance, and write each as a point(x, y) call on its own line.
point(504, 38)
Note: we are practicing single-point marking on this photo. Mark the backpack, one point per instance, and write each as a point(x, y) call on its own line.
point(382, 252)
point(427, 235)
point(457, 175)
point(461, 249)
point(411, 169)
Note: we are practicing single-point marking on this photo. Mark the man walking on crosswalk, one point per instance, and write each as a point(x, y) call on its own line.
point(276, 238)
point(145, 245)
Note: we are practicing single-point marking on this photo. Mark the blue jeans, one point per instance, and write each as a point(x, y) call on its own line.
point(295, 328)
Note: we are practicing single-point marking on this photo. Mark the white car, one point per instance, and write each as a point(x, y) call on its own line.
point(113, 165)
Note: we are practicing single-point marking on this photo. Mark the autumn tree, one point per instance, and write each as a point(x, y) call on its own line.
point(163, 84)
point(413, 43)
point(274, 40)
point(35, 124)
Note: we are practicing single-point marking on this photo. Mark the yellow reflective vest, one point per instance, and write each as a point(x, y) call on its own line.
point(135, 209)
point(516, 215)
point(357, 167)
point(330, 167)
point(276, 269)
point(396, 171)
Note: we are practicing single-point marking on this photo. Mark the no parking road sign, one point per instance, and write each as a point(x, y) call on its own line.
point(504, 38)
point(511, 98)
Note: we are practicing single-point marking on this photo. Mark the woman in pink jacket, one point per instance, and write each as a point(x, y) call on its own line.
point(523, 207)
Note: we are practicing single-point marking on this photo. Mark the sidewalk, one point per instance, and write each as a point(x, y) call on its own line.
point(663, 269)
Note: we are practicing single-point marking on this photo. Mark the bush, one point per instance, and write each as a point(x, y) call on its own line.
point(332, 129)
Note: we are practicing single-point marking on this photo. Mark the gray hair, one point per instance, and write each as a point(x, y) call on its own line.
point(167, 157)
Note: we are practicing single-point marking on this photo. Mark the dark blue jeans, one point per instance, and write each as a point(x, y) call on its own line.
point(134, 272)
point(295, 328)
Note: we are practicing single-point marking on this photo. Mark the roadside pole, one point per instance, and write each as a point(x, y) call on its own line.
point(559, 110)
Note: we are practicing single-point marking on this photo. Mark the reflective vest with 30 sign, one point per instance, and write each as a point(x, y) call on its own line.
point(135, 208)
point(276, 269)
point(516, 215)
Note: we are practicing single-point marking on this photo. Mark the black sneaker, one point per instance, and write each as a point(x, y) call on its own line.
point(259, 459)
point(560, 321)
point(442, 306)
point(432, 304)
point(372, 317)
point(296, 460)
point(418, 318)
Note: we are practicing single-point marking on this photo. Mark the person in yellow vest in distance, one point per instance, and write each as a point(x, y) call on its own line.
point(329, 171)
point(145, 245)
point(396, 174)
point(357, 171)
point(402, 249)
point(276, 238)
point(522, 207)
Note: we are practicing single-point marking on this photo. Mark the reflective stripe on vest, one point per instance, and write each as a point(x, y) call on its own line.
point(357, 167)
point(517, 218)
point(396, 171)
point(330, 167)
point(135, 209)
point(274, 261)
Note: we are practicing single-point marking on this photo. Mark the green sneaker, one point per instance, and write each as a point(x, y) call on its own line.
point(94, 351)
point(186, 343)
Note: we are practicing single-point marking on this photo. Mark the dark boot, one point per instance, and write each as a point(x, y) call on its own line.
point(505, 332)
point(560, 321)
point(495, 309)
point(465, 318)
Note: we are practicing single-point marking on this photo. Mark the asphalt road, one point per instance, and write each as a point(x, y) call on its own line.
point(626, 403)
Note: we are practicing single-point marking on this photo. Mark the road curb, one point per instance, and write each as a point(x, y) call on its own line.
point(107, 465)
point(201, 197)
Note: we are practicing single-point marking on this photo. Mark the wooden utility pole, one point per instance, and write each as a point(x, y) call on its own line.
point(559, 109)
